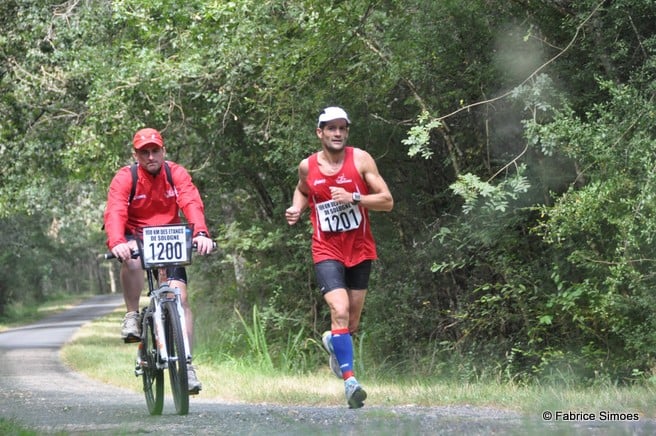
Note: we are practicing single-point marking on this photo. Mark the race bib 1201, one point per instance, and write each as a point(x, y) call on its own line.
point(338, 217)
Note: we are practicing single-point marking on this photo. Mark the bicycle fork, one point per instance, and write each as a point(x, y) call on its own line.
point(183, 324)
point(164, 293)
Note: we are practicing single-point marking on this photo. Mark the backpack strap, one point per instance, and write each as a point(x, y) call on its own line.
point(169, 177)
point(133, 170)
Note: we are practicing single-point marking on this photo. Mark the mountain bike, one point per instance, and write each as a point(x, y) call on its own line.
point(164, 344)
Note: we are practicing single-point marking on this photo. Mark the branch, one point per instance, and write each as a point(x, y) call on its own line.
point(512, 162)
point(451, 146)
point(384, 57)
point(534, 73)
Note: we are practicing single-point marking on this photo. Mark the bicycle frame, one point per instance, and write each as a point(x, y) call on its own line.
point(160, 293)
point(157, 296)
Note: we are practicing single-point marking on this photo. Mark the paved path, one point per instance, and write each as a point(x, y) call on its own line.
point(38, 391)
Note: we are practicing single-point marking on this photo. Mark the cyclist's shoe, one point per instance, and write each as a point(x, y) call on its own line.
point(355, 395)
point(326, 338)
point(194, 384)
point(131, 331)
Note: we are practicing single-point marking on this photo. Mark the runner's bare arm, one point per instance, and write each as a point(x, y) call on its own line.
point(379, 197)
point(300, 199)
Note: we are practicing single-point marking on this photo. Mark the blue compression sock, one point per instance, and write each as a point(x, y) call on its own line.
point(343, 348)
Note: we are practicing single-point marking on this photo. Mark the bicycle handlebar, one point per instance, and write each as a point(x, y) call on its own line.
point(135, 252)
point(110, 255)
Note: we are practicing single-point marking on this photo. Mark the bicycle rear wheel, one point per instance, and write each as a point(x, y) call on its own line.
point(153, 377)
point(177, 357)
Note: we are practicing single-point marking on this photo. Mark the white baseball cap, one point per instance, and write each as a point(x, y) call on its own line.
point(332, 113)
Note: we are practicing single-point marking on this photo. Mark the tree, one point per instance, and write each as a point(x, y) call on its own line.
point(492, 122)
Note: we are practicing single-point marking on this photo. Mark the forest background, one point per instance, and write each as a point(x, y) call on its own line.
point(517, 138)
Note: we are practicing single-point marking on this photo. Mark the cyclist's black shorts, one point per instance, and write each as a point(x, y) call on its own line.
point(332, 275)
point(178, 273)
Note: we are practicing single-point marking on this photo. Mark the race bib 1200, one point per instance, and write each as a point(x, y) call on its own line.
point(166, 245)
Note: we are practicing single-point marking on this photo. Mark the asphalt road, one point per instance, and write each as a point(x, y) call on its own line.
point(38, 391)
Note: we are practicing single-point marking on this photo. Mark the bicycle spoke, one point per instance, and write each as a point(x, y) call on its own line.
point(153, 378)
point(177, 358)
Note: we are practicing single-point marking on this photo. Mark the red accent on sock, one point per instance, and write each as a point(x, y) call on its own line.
point(347, 374)
point(340, 331)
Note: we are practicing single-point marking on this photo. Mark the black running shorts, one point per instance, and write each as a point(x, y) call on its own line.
point(332, 275)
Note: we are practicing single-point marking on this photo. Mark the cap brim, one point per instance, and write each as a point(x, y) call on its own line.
point(140, 145)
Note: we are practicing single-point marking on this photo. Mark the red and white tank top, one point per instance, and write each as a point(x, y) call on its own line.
point(341, 231)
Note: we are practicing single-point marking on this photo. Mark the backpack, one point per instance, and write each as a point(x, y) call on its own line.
point(133, 170)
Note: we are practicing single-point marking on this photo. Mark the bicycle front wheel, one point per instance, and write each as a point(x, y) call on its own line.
point(177, 357)
point(153, 377)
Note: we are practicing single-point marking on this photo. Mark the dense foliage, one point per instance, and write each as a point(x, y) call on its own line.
point(517, 138)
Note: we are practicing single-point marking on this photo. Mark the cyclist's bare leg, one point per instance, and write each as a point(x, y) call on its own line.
point(132, 282)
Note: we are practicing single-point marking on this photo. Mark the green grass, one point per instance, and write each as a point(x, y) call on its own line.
point(10, 428)
point(97, 351)
point(20, 314)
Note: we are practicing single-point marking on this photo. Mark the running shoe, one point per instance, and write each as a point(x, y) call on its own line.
point(355, 395)
point(192, 381)
point(326, 338)
point(131, 330)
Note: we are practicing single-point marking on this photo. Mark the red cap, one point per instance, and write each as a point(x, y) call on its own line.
point(147, 136)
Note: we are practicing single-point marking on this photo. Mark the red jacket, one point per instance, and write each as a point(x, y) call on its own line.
point(154, 203)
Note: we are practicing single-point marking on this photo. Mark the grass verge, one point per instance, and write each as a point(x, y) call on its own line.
point(8, 427)
point(97, 351)
point(20, 314)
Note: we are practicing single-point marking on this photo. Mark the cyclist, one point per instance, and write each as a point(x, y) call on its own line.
point(341, 184)
point(154, 200)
